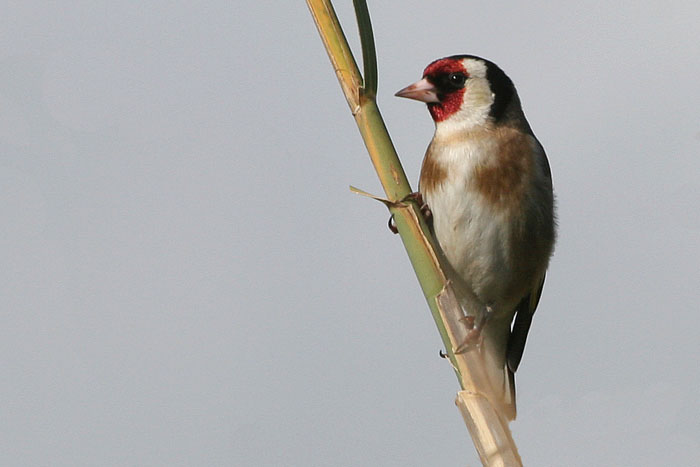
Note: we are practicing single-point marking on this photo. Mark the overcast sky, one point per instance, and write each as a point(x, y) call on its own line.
point(187, 280)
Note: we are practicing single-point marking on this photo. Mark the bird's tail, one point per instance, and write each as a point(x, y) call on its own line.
point(501, 379)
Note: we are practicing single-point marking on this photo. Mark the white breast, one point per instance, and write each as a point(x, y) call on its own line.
point(473, 234)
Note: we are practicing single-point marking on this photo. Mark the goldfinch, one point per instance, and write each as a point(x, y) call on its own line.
point(486, 180)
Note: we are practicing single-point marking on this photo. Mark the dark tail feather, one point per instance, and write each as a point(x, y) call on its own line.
point(523, 319)
point(518, 337)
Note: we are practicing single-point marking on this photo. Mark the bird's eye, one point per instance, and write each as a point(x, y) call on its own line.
point(457, 79)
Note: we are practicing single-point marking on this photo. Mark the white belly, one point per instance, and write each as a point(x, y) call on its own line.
point(474, 234)
point(475, 240)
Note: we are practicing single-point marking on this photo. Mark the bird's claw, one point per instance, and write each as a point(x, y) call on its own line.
point(416, 197)
point(392, 225)
point(475, 324)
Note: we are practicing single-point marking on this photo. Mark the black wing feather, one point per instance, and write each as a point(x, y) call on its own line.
point(521, 326)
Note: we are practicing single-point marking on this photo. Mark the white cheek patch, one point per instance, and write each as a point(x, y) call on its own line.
point(478, 96)
point(474, 111)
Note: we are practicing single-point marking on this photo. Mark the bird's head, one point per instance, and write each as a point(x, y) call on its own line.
point(465, 92)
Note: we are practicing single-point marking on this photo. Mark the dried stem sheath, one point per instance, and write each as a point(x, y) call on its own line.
point(487, 426)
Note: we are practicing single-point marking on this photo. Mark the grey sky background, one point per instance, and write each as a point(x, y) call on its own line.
point(187, 280)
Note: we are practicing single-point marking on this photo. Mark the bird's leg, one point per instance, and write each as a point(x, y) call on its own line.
point(416, 197)
point(475, 324)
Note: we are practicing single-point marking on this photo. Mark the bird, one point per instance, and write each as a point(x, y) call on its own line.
point(487, 184)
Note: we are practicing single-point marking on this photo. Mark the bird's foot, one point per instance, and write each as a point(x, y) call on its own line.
point(475, 324)
point(416, 197)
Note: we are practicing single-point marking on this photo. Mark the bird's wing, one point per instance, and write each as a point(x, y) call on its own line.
point(521, 326)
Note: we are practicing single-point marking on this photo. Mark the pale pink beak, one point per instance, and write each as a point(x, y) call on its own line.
point(423, 91)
